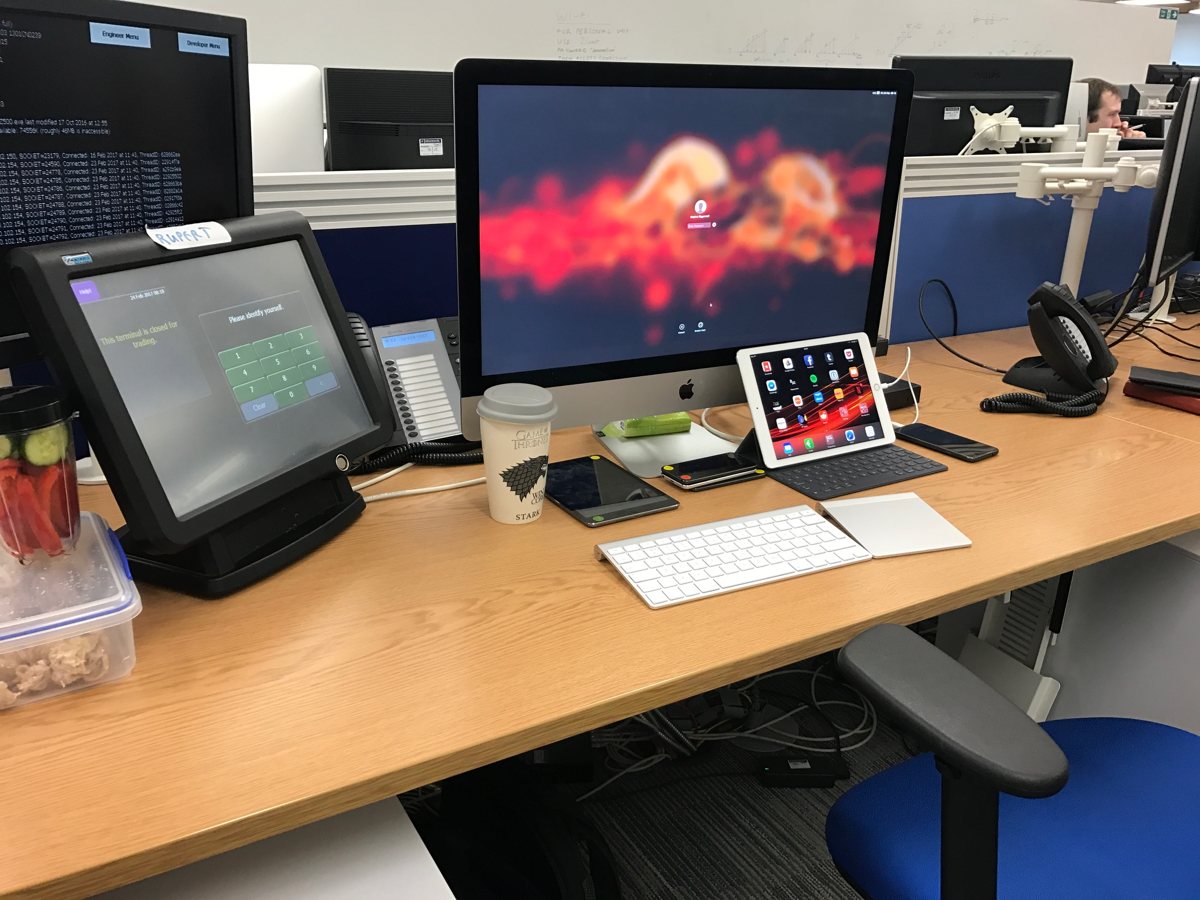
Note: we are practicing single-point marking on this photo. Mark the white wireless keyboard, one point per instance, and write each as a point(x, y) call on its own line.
point(690, 563)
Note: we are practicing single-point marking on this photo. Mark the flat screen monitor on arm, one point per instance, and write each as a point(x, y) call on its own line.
point(1173, 234)
point(623, 229)
point(946, 87)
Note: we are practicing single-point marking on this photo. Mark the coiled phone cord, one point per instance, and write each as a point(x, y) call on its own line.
point(423, 453)
point(1073, 406)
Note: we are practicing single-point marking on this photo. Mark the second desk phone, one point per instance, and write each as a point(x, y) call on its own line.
point(417, 364)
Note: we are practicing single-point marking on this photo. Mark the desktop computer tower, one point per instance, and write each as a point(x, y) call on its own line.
point(389, 119)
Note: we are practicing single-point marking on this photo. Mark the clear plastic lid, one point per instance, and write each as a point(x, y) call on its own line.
point(54, 598)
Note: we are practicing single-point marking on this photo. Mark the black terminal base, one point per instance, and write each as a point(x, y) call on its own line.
point(252, 547)
point(1033, 374)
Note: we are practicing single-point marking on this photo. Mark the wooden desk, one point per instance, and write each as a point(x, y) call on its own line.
point(428, 639)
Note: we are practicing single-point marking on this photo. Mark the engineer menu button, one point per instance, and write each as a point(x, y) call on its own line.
point(256, 409)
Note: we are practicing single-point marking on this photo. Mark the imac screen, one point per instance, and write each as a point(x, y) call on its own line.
point(228, 365)
point(627, 222)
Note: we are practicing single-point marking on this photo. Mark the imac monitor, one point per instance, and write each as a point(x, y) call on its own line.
point(945, 87)
point(114, 116)
point(624, 229)
point(1174, 218)
point(223, 389)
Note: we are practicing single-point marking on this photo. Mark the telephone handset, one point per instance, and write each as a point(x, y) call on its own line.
point(416, 366)
point(1075, 363)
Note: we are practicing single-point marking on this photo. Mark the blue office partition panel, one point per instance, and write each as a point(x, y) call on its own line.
point(994, 249)
point(393, 273)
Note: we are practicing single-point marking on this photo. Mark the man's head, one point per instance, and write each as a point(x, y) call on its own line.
point(1104, 105)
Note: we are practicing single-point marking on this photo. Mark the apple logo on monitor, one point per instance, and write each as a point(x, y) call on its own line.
point(686, 390)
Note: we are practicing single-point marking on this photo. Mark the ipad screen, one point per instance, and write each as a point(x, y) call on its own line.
point(817, 398)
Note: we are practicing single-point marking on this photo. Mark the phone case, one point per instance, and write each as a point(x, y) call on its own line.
point(1176, 382)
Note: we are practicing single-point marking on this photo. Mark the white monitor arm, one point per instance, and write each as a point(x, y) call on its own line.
point(1000, 131)
point(1083, 184)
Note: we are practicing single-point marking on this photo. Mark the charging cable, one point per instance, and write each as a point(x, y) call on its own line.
point(371, 482)
point(717, 432)
point(911, 391)
point(412, 492)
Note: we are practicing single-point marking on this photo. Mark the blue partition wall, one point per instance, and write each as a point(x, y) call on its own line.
point(992, 249)
point(393, 274)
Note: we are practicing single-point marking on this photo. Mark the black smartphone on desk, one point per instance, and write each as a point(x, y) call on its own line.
point(596, 491)
point(711, 471)
point(945, 442)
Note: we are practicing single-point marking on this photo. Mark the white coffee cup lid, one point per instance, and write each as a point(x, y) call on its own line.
point(517, 403)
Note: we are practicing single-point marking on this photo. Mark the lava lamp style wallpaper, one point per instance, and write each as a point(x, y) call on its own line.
point(627, 222)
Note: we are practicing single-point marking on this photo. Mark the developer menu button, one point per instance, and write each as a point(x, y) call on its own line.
point(203, 43)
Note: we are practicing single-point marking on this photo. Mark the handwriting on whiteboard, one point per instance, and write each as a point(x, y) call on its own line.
point(580, 35)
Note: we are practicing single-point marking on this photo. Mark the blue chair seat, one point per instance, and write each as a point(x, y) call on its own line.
point(1127, 824)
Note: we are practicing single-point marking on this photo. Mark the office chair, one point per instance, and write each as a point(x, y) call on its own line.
point(1005, 819)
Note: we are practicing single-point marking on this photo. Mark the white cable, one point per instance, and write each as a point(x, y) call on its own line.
point(371, 482)
point(904, 371)
point(912, 392)
point(636, 767)
point(426, 490)
point(992, 127)
point(712, 429)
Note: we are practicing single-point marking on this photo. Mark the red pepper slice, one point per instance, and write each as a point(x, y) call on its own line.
point(34, 517)
point(8, 536)
point(9, 515)
point(56, 498)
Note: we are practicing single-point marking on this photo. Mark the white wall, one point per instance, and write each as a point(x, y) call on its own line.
point(1186, 50)
point(1115, 42)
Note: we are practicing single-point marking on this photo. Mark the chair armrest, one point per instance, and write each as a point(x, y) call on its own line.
point(958, 716)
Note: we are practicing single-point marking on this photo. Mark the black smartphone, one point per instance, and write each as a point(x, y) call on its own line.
point(944, 442)
point(596, 491)
point(710, 471)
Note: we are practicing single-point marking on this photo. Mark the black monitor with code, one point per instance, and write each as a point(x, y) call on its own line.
point(115, 116)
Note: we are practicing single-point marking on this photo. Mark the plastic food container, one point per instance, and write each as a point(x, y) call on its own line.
point(66, 623)
point(39, 499)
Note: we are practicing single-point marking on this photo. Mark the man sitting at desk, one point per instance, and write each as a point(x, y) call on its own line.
point(1104, 109)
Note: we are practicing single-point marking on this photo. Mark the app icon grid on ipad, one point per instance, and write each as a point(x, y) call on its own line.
point(833, 406)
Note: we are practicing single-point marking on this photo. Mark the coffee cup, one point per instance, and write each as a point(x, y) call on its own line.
point(514, 423)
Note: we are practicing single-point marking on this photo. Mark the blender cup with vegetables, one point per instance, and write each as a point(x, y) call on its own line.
point(39, 500)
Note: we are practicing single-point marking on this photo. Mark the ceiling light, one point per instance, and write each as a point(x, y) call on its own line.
point(1154, 3)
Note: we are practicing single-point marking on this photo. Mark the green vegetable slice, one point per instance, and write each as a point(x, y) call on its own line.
point(46, 446)
point(7, 446)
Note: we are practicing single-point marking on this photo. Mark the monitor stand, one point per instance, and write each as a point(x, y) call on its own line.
point(645, 456)
point(1157, 309)
point(253, 546)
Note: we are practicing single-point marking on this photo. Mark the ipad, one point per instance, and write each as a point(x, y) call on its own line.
point(814, 399)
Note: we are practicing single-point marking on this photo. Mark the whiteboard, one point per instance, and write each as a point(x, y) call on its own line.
point(1106, 40)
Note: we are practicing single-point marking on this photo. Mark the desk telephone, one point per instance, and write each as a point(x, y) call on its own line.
point(1075, 364)
point(417, 367)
